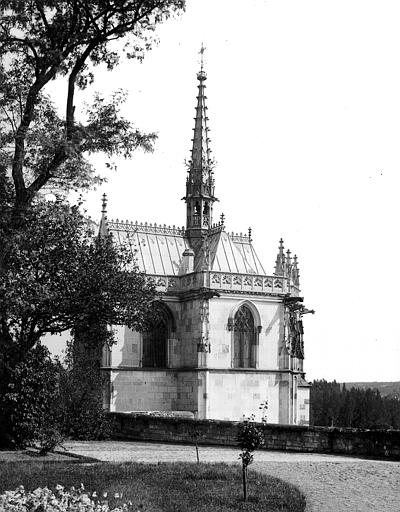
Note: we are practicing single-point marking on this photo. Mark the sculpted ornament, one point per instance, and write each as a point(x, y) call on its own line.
point(215, 279)
point(226, 280)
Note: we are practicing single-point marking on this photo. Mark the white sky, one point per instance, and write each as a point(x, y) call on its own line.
point(304, 109)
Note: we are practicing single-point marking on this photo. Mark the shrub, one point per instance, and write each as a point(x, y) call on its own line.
point(29, 399)
point(80, 410)
point(250, 437)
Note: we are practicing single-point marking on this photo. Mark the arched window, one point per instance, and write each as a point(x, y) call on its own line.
point(155, 337)
point(244, 338)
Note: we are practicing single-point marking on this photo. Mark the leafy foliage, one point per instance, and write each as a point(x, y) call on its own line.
point(54, 275)
point(58, 273)
point(44, 40)
point(80, 407)
point(27, 401)
point(332, 404)
point(60, 277)
point(250, 437)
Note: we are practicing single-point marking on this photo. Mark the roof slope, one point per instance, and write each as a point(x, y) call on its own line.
point(233, 254)
point(158, 249)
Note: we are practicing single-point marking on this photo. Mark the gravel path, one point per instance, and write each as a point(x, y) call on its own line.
point(330, 483)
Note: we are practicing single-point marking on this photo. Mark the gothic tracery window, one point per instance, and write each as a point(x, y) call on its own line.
point(155, 338)
point(243, 338)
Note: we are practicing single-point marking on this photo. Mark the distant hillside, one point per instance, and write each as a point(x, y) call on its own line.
point(389, 389)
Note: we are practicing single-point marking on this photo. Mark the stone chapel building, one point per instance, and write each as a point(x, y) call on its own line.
point(229, 336)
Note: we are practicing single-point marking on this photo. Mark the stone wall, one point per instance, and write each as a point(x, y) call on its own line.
point(146, 389)
point(376, 443)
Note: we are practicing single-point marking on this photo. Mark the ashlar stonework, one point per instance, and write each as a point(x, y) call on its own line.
point(229, 336)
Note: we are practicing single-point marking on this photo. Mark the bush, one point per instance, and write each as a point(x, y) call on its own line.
point(80, 410)
point(28, 400)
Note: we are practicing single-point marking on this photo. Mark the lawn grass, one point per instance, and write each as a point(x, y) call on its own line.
point(166, 487)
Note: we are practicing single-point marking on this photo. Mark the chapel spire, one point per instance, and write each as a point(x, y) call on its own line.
point(200, 181)
point(103, 223)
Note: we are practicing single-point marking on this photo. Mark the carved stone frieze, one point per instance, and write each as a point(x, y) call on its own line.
point(215, 279)
point(226, 279)
point(171, 283)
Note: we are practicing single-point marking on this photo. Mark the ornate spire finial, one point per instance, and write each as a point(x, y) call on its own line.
point(104, 205)
point(295, 271)
point(103, 223)
point(222, 217)
point(200, 180)
point(250, 239)
point(280, 260)
point(288, 264)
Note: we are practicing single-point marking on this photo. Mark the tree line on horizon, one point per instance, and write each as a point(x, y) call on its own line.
point(335, 405)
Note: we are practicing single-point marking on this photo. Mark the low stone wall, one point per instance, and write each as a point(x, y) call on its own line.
point(144, 427)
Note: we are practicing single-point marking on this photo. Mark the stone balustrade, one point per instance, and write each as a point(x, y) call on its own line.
point(223, 281)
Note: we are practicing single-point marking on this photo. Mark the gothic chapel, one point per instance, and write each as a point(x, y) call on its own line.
point(229, 336)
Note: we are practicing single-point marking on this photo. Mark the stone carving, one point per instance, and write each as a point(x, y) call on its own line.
point(258, 281)
point(294, 334)
point(226, 279)
point(278, 283)
point(216, 279)
point(268, 282)
point(237, 280)
point(247, 281)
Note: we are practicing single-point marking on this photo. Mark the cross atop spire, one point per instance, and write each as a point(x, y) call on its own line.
point(202, 49)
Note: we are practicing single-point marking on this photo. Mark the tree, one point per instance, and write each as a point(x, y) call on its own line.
point(250, 437)
point(54, 275)
point(60, 277)
point(44, 40)
point(355, 407)
point(41, 40)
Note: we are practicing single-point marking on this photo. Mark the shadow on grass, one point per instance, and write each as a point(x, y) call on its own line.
point(165, 487)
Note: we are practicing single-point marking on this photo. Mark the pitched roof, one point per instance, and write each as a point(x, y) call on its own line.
point(158, 249)
point(232, 254)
